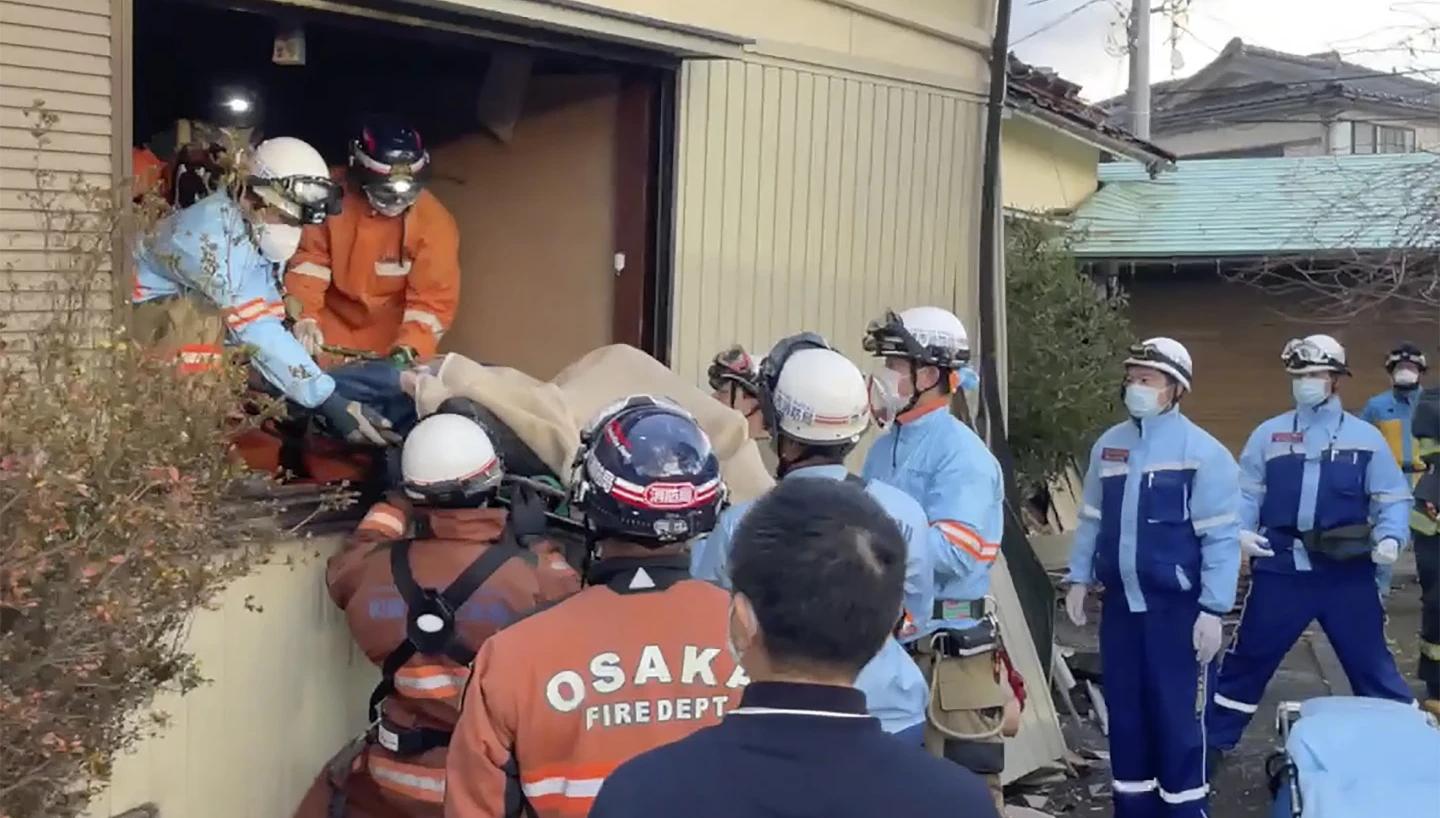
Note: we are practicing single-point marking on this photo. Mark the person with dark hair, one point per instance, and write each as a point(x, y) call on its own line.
point(816, 408)
point(554, 703)
point(818, 569)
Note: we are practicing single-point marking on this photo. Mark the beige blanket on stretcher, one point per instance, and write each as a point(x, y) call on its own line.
point(548, 416)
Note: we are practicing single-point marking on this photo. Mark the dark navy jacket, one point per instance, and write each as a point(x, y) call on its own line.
point(795, 751)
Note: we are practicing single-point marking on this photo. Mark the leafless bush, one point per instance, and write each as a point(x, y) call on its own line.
point(114, 526)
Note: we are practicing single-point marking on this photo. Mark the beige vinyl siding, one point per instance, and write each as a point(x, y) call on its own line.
point(59, 53)
point(809, 200)
point(287, 689)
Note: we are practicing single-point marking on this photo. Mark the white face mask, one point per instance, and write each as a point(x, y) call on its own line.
point(886, 400)
point(1142, 401)
point(1310, 391)
point(1405, 376)
point(729, 631)
point(278, 242)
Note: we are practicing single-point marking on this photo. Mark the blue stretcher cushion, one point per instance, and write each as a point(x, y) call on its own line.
point(1365, 758)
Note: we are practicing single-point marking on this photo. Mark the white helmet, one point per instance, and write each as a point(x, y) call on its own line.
point(820, 398)
point(449, 458)
point(290, 175)
point(1314, 353)
point(927, 335)
point(1164, 355)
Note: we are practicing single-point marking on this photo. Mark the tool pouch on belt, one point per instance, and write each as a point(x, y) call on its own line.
point(1347, 542)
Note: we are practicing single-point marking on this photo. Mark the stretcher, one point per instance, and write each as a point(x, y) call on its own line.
point(1352, 757)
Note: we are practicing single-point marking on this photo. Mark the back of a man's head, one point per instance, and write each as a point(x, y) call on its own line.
point(823, 566)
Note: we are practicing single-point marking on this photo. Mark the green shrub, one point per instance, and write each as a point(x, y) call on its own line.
point(1066, 340)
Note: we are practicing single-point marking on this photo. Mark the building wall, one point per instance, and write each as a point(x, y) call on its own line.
point(250, 742)
point(1043, 170)
point(1235, 334)
point(58, 52)
point(1299, 138)
point(811, 200)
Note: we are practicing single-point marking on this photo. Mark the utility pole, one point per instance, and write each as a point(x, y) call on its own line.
point(1138, 97)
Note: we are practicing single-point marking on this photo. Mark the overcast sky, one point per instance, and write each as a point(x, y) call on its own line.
point(1084, 39)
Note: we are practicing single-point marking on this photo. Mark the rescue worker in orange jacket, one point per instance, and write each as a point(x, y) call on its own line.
point(384, 275)
point(422, 587)
point(636, 660)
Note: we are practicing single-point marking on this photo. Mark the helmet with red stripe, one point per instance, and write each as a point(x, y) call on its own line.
point(645, 473)
point(390, 165)
point(449, 461)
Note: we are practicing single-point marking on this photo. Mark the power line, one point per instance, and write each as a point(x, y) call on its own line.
point(1057, 21)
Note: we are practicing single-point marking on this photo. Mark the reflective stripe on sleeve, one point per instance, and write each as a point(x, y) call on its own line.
point(965, 538)
point(1231, 704)
point(310, 268)
point(425, 319)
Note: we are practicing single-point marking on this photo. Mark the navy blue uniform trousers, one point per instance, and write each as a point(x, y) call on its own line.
point(1154, 691)
point(1277, 610)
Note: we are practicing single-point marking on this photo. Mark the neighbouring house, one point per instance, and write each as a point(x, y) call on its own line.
point(1252, 101)
point(1234, 257)
point(1052, 142)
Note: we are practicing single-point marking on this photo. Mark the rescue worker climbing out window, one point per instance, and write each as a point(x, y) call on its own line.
point(1393, 412)
point(1322, 503)
point(210, 269)
point(636, 660)
point(818, 574)
point(1158, 529)
point(383, 277)
point(189, 160)
point(946, 467)
point(815, 404)
point(425, 580)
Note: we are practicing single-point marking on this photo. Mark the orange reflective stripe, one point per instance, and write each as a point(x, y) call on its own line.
point(420, 783)
point(198, 357)
point(965, 538)
point(252, 311)
point(384, 518)
point(565, 788)
point(430, 681)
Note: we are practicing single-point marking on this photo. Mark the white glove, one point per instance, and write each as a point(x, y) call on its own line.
point(1254, 545)
point(1207, 637)
point(1386, 551)
point(307, 332)
point(1075, 603)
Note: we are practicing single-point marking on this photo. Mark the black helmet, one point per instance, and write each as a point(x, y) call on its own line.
point(645, 473)
point(1405, 351)
point(733, 367)
point(390, 165)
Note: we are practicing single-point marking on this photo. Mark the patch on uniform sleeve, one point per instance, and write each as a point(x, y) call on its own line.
point(1115, 455)
point(1287, 437)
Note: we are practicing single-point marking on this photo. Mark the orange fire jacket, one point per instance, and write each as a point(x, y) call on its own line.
point(376, 282)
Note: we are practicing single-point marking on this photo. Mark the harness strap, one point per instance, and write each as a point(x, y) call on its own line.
point(450, 600)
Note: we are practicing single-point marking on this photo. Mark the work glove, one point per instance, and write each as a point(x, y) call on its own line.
point(1254, 545)
point(307, 332)
point(527, 512)
point(1386, 552)
point(354, 422)
point(1207, 637)
point(1075, 603)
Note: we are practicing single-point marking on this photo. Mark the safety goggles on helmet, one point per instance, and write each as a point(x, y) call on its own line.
point(306, 199)
point(733, 366)
point(390, 186)
point(888, 337)
point(1406, 353)
point(1302, 355)
point(1151, 354)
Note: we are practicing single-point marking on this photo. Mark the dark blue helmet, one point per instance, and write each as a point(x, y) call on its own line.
point(646, 473)
point(390, 164)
